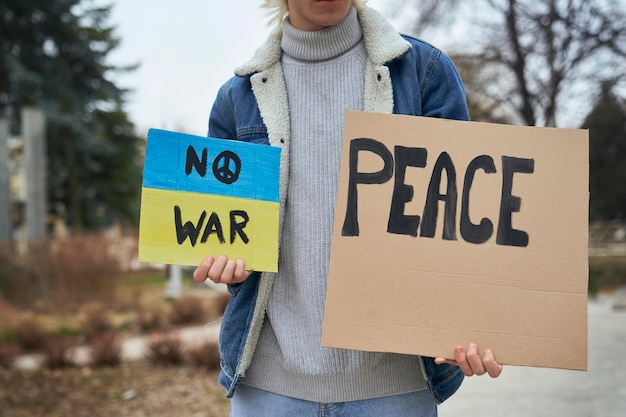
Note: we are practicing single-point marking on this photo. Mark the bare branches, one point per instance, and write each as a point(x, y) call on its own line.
point(532, 54)
point(428, 14)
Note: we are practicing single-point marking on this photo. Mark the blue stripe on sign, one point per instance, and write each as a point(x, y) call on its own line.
point(168, 153)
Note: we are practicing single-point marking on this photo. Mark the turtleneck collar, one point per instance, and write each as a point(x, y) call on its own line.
point(323, 44)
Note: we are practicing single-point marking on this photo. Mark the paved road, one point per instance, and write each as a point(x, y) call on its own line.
point(538, 392)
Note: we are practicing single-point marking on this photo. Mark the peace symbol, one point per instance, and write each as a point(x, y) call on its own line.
point(226, 167)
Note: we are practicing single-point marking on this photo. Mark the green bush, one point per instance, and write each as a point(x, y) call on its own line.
point(8, 335)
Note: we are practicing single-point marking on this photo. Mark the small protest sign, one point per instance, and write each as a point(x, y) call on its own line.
point(205, 196)
point(450, 232)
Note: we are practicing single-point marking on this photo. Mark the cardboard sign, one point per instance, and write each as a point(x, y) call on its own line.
point(451, 232)
point(204, 196)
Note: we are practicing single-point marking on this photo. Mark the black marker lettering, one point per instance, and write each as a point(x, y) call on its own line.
point(509, 203)
point(433, 196)
point(192, 161)
point(227, 167)
point(214, 225)
point(236, 228)
point(188, 229)
point(351, 223)
point(400, 223)
point(475, 233)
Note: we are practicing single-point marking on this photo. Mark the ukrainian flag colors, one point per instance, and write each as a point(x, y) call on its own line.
point(204, 196)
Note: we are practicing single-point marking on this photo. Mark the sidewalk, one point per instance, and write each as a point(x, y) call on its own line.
point(538, 392)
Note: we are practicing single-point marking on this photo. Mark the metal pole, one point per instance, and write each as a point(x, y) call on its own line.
point(35, 167)
point(5, 207)
point(174, 287)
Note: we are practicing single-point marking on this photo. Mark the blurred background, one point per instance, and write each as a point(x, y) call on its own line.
point(85, 329)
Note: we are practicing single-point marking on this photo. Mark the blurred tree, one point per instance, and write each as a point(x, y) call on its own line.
point(607, 156)
point(533, 57)
point(481, 107)
point(426, 14)
point(53, 54)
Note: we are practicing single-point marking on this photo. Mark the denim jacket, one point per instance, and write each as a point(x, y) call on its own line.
point(403, 76)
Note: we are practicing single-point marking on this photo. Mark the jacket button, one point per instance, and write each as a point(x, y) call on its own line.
point(380, 77)
point(282, 140)
point(264, 80)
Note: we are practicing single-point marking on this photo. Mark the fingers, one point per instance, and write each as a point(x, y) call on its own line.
point(474, 363)
point(471, 363)
point(494, 369)
point(439, 361)
point(240, 271)
point(202, 271)
point(462, 362)
point(221, 270)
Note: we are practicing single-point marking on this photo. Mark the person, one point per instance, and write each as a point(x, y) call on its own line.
point(322, 58)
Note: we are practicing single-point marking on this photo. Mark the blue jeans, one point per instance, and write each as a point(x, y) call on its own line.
point(252, 402)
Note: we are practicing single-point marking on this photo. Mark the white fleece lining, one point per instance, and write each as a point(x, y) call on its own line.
point(271, 95)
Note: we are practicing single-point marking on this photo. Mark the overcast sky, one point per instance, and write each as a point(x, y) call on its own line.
point(187, 50)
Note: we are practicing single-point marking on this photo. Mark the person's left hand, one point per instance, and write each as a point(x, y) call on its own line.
point(471, 363)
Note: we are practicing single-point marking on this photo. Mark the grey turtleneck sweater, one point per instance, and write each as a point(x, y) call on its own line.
point(324, 75)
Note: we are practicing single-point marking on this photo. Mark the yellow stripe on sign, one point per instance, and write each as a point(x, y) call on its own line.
point(182, 228)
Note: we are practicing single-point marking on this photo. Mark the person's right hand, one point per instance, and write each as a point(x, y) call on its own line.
point(221, 270)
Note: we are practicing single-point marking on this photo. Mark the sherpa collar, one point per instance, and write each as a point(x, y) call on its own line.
point(382, 42)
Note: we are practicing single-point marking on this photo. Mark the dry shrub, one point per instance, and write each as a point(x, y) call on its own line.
point(30, 333)
point(8, 354)
point(106, 350)
point(219, 302)
point(205, 354)
point(94, 320)
point(18, 283)
point(165, 350)
point(187, 310)
point(84, 269)
point(10, 316)
point(129, 297)
point(151, 320)
point(65, 273)
point(58, 353)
